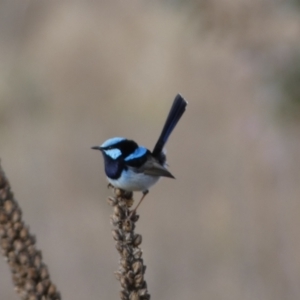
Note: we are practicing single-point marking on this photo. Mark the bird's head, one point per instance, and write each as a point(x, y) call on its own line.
point(116, 148)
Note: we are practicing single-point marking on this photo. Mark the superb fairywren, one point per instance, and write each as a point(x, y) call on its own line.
point(131, 167)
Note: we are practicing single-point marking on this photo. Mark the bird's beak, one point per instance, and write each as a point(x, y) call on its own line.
point(96, 148)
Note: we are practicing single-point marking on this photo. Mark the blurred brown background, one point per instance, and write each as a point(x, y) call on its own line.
point(74, 73)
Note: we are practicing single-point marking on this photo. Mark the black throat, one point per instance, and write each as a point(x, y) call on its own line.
point(113, 167)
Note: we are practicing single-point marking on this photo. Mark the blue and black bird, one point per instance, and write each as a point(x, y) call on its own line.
point(131, 167)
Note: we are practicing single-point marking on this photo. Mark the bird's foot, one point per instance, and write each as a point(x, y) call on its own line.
point(133, 216)
point(133, 212)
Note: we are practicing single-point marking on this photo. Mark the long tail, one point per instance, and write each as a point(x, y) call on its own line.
point(174, 116)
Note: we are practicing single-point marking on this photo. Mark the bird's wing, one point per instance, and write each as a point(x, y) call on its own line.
point(154, 168)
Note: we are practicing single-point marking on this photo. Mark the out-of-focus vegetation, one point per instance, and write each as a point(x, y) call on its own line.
point(73, 74)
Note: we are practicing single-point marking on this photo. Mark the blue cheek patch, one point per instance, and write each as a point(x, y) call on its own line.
point(139, 152)
point(113, 153)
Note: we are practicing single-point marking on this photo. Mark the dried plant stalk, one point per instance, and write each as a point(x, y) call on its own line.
point(131, 266)
point(30, 275)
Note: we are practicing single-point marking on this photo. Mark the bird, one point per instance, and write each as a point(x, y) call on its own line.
point(131, 167)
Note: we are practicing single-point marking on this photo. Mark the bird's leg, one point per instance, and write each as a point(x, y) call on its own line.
point(134, 211)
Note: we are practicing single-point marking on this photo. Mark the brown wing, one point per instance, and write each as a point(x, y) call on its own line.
point(152, 167)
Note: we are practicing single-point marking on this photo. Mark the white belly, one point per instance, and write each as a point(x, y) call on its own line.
point(130, 181)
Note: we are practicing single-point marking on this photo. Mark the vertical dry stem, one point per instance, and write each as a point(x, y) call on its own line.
point(131, 266)
point(30, 275)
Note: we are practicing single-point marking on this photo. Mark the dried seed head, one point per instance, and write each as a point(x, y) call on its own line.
point(2, 181)
point(31, 250)
point(137, 267)
point(12, 256)
point(143, 292)
point(17, 226)
point(118, 192)
point(124, 282)
point(32, 273)
point(4, 193)
point(114, 220)
point(146, 297)
point(124, 263)
point(138, 279)
point(29, 286)
point(13, 264)
point(44, 272)
point(119, 247)
point(128, 237)
point(52, 290)
point(137, 253)
point(137, 240)
point(2, 231)
point(22, 271)
point(40, 288)
point(127, 195)
point(130, 273)
point(134, 295)
point(30, 241)
point(23, 294)
point(37, 261)
point(17, 289)
point(118, 211)
point(8, 224)
point(38, 253)
point(125, 252)
point(16, 216)
point(124, 295)
point(129, 202)
point(33, 297)
point(23, 258)
point(46, 283)
point(18, 245)
point(122, 203)
point(128, 225)
point(112, 201)
point(5, 244)
point(117, 235)
point(3, 217)
point(24, 233)
point(129, 280)
point(134, 218)
point(8, 206)
point(17, 282)
point(11, 233)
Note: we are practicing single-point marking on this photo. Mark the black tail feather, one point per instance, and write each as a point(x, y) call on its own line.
point(174, 116)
